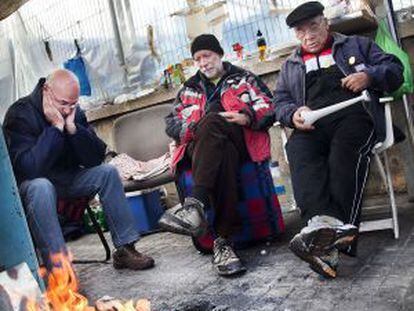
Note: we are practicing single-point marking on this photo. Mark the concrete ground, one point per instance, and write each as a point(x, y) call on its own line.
point(381, 278)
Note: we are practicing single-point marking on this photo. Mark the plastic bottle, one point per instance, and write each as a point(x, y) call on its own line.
point(279, 185)
point(167, 79)
point(178, 75)
point(261, 44)
point(290, 200)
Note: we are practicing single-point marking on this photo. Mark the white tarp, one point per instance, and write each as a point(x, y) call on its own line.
point(23, 61)
point(23, 58)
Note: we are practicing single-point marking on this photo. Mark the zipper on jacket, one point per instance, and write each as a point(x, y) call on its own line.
point(303, 68)
point(344, 73)
point(228, 77)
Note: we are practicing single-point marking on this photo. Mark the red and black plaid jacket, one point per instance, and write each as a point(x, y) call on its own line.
point(240, 91)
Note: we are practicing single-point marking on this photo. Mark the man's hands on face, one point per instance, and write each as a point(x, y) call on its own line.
point(236, 117)
point(356, 82)
point(298, 121)
point(52, 114)
point(70, 121)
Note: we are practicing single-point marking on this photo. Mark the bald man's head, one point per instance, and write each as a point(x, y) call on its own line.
point(64, 88)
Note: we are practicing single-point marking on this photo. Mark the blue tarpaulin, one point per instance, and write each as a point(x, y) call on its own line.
point(77, 66)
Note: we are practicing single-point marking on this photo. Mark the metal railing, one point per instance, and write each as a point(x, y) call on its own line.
point(59, 22)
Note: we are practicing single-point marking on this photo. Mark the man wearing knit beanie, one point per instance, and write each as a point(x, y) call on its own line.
point(219, 121)
point(206, 42)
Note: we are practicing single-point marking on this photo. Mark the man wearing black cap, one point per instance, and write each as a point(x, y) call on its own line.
point(220, 120)
point(329, 160)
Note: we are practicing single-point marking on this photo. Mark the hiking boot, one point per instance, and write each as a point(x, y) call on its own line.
point(345, 234)
point(225, 260)
point(326, 265)
point(314, 239)
point(186, 219)
point(302, 245)
point(127, 257)
point(321, 237)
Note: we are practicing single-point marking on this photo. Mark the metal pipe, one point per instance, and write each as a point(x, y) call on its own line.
point(118, 40)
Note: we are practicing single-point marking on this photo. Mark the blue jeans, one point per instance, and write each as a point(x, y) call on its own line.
point(39, 198)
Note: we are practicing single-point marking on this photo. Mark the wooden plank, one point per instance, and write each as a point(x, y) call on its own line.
point(161, 95)
point(353, 23)
point(372, 225)
point(406, 29)
point(8, 7)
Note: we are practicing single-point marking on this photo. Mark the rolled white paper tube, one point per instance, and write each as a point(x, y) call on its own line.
point(311, 116)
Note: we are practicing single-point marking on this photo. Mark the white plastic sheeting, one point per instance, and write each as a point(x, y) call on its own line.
point(23, 61)
point(111, 71)
point(7, 94)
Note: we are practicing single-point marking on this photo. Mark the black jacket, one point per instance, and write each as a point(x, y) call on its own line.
point(38, 149)
point(385, 70)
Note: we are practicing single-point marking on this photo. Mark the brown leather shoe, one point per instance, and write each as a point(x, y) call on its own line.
point(127, 257)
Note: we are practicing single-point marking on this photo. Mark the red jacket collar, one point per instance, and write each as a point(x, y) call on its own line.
point(327, 46)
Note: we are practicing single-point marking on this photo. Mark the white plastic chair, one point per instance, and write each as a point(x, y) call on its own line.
point(380, 149)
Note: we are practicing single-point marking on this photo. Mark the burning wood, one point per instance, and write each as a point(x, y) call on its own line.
point(107, 303)
point(62, 293)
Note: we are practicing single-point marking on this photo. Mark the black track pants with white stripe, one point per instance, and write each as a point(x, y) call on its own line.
point(329, 166)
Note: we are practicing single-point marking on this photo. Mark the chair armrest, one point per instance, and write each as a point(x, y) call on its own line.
point(386, 99)
point(389, 132)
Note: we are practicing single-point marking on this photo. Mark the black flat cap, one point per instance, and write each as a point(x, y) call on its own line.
point(303, 12)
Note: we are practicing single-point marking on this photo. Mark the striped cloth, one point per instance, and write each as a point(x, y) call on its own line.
point(259, 208)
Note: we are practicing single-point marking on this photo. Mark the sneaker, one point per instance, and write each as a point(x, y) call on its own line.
point(186, 219)
point(127, 257)
point(326, 265)
point(225, 260)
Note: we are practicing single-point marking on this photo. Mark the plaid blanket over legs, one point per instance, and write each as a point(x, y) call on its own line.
point(259, 208)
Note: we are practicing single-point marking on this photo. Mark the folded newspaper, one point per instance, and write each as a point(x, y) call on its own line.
point(131, 169)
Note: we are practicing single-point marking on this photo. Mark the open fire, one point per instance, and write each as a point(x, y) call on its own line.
point(62, 293)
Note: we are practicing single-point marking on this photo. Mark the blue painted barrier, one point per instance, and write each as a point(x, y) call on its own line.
point(16, 244)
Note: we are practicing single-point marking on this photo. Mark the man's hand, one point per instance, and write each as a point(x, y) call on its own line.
point(236, 117)
point(298, 121)
point(356, 82)
point(70, 125)
point(53, 116)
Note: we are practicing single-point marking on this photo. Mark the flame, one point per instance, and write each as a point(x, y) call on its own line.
point(62, 291)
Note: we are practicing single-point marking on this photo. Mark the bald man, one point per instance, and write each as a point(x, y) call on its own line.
point(56, 154)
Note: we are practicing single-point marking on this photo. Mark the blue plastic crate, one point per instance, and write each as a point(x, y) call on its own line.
point(146, 208)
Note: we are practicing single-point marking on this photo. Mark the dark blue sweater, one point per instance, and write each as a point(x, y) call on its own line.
point(385, 71)
point(38, 149)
